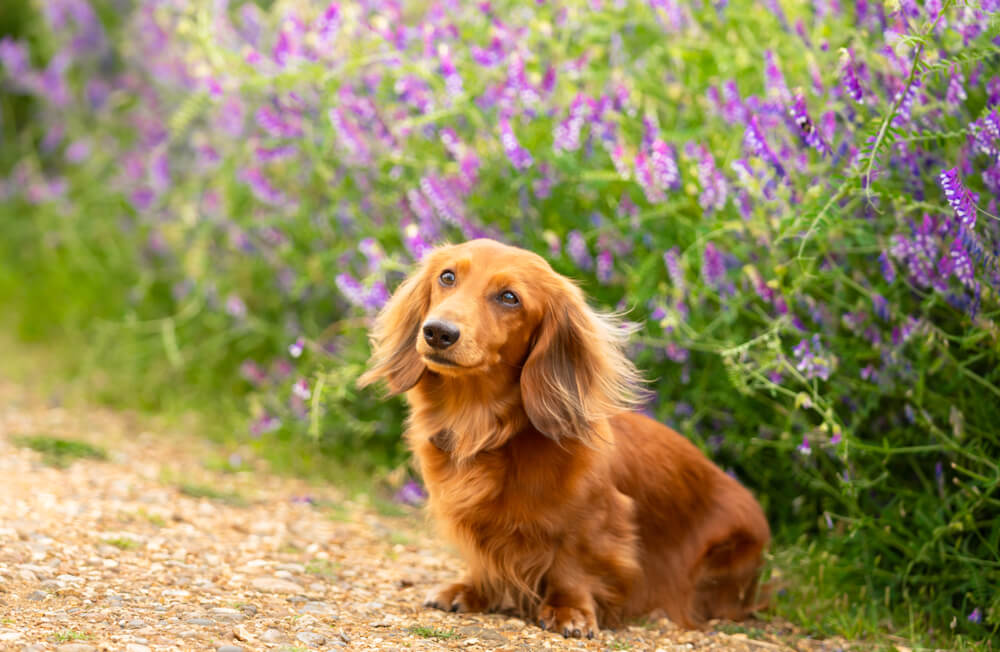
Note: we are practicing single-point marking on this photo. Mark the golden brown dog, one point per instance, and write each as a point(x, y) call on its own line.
point(567, 506)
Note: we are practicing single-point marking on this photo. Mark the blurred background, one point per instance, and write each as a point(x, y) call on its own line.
point(203, 204)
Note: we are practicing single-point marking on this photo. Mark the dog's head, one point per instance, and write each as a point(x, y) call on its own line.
point(483, 308)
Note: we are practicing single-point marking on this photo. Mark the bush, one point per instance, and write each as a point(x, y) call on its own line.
point(798, 203)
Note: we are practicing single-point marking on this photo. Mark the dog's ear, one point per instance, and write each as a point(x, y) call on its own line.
point(576, 373)
point(394, 336)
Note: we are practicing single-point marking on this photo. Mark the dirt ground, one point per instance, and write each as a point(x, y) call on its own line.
point(150, 549)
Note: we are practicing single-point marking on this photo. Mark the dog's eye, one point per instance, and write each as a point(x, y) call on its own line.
point(447, 277)
point(508, 298)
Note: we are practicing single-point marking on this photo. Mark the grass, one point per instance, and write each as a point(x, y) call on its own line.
point(153, 519)
point(619, 644)
point(70, 635)
point(322, 568)
point(196, 490)
point(58, 452)
point(433, 632)
point(122, 543)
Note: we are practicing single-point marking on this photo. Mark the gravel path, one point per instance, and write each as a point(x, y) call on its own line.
point(150, 550)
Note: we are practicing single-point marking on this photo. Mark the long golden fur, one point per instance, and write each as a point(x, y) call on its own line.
point(568, 507)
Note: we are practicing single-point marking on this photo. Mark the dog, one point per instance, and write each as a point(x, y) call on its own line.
point(569, 507)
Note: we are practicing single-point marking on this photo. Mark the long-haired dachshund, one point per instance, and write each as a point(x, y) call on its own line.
point(568, 506)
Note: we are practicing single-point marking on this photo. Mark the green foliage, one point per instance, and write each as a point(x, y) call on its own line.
point(60, 452)
point(857, 399)
point(433, 632)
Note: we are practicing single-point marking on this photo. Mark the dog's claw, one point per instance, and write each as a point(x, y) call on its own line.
point(541, 623)
point(566, 633)
point(454, 606)
point(577, 633)
point(590, 635)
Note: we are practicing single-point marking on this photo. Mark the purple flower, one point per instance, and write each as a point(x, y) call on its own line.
point(78, 151)
point(804, 447)
point(754, 141)
point(576, 247)
point(714, 190)
point(713, 268)
point(264, 424)
point(414, 241)
point(452, 80)
point(663, 166)
point(956, 88)
point(261, 188)
point(236, 307)
point(805, 126)
point(519, 157)
point(605, 266)
point(774, 81)
point(411, 493)
point(351, 288)
point(962, 201)
point(812, 359)
point(671, 258)
point(850, 78)
point(295, 348)
point(976, 617)
point(567, 133)
point(301, 389)
point(349, 136)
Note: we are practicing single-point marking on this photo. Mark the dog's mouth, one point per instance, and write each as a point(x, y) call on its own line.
point(441, 360)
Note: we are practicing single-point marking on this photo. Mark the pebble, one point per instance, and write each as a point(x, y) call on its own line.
point(311, 638)
point(229, 648)
point(274, 585)
point(136, 647)
point(135, 623)
point(37, 595)
point(273, 636)
point(76, 647)
point(204, 622)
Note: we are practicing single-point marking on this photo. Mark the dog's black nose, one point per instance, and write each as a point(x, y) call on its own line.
point(440, 334)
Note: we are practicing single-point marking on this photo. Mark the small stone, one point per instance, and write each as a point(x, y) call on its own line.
point(76, 647)
point(229, 648)
point(10, 635)
point(311, 638)
point(241, 634)
point(317, 607)
point(37, 595)
point(135, 623)
point(34, 647)
point(136, 647)
point(273, 636)
point(27, 575)
point(274, 585)
point(204, 622)
point(249, 609)
point(227, 615)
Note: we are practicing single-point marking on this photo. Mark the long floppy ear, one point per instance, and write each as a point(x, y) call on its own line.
point(394, 337)
point(577, 374)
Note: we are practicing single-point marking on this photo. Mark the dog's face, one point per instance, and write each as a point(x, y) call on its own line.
point(485, 301)
point(486, 309)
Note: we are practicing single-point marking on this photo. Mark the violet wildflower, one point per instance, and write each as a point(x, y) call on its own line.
point(261, 187)
point(755, 143)
point(956, 88)
point(961, 264)
point(962, 201)
point(410, 493)
point(351, 288)
point(986, 135)
point(253, 372)
point(888, 271)
point(576, 247)
point(415, 243)
point(805, 126)
point(301, 389)
point(236, 307)
point(714, 190)
point(804, 447)
point(671, 258)
point(78, 151)
point(663, 166)
point(605, 266)
point(264, 424)
point(774, 81)
point(812, 359)
point(976, 617)
point(452, 80)
point(295, 348)
point(519, 157)
point(850, 77)
point(713, 268)
point(881, 306)
point(617, 153)
point(567, 133)
point(644, 176)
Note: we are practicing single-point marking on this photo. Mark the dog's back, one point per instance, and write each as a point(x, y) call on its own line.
point(702, 533)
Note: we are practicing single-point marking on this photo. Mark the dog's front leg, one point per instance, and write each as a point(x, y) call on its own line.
point(568, 606)
point(458, 596)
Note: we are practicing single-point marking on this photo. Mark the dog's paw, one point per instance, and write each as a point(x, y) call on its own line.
point(455, 597)
point(568, 621)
